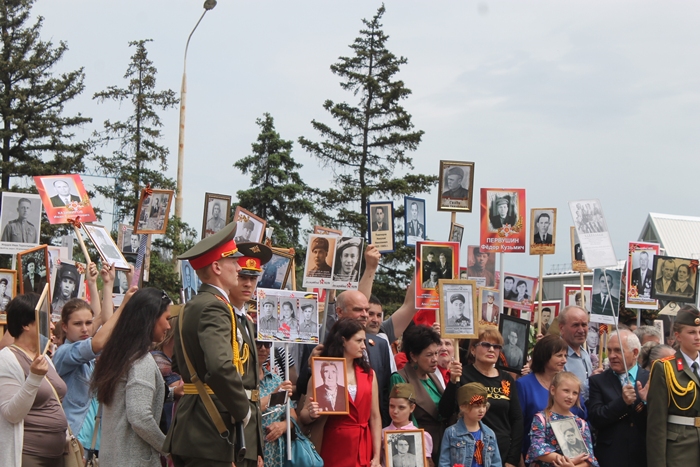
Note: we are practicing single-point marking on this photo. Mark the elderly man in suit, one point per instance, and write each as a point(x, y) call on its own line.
point(63, 195)
point(331, 394)
point(616, 405)
point(666, 283)
point(604, 298)
point(643, 276)
point(489, 310)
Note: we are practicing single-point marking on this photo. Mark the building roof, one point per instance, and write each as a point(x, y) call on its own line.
point(678, 236)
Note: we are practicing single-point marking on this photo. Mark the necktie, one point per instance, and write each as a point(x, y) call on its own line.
point(695, 370)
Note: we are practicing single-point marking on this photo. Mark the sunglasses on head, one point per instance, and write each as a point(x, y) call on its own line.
point(488, 345)
point(266, 345)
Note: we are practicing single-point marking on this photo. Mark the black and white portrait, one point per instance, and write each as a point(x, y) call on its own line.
point(457, 309)
point(216, 211)
point(489, 300)
point(642, 277)
point(68, 282)
point(436, 263)
point(33, 269)
point(105, 246)
point(588, 217)
point(65, 192)
point(543, 228)
point(348, 258)
point(515, 332)
point(404, 448)
point(288, 324)
point(249, 227)
point(676, 279)
point(127, 240)
point(414, 216)
point(330, 387)
point(190, 281)
point(519, 291)
point(456, 233)
point(308, 320)
point(569, 437)
point(275, 272)
point(320, 256)
point(267, 316)
point(20, 221)
point(153, 211)
point(456, 180)
point(605, 301)
point(380, 218)
point(503, 209)
point(8, 287)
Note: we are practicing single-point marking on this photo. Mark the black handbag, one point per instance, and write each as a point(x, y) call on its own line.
point(303, 452)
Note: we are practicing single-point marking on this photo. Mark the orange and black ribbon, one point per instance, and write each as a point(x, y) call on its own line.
point(479, 452)
point(75, 222)
point(148, 190)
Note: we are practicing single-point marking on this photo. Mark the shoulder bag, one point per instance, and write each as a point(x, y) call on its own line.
point(92, 460)
point(303, 452)
point(73, 452)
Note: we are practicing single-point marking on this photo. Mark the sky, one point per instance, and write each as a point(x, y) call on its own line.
point(569, 100)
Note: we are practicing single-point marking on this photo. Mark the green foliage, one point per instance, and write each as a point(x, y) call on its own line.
point(138, 159)
point(32, 101)
point(179, 237)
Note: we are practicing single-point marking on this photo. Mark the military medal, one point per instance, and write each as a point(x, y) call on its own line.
point(679, 364)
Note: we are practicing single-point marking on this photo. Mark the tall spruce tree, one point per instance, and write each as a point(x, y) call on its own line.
point(139, 158)
point(36, 138)
point(277, 192)
point(370, 142)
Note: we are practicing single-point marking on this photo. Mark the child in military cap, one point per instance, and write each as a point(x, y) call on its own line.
point(469, 442)
point(402, 402)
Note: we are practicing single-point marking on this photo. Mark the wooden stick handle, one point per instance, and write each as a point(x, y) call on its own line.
point(82, 245)
point(539, 296)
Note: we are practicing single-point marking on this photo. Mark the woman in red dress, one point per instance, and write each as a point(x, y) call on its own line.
point(352, 440)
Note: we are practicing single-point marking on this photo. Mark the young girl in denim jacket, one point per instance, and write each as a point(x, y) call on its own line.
point(470, 443)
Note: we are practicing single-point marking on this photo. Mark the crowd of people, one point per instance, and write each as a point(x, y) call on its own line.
point(139, 386)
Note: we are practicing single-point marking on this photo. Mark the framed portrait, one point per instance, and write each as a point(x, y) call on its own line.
point(639, 278)
point(457, 305)
point(659, 325)
point(463, 273)
point(550, 312)
point(543, 231)
point(676, 279)
point(308, 318)
point(128, 241)
point(327, 231)
point(489, 298)
point(434, 261)
point(110, 254)
point(34, 271)
point(217, 209)
point(578, 261)
point(569, 437)
point(572, 296)
point(153, 210)
point(481, 266)
point(456, 233)
point(20, 222)
point(64, 198)
point(593, 233)
point(414, 220)
point(329, 386)
point(380, 219)
point(249, 227)
point(320, 257)
point(456, 186)
point(190, 281)
point(519, 291)
point(515, 332)
point(503, 220)
point(284, 316)
point(405, 447)
point(42, 316)
point(8, 290)
point(348, 260)
point(605, 299)
point(67, 282)
point(277, 271)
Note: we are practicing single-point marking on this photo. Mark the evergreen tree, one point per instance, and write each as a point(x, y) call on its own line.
point(36, 138)
point(277, 192)
point(132, 163)
point(179, 237)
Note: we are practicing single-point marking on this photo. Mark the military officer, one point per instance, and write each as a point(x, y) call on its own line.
point(453, 181)
point(208, 341)
point(673, 420)
point(308, 325)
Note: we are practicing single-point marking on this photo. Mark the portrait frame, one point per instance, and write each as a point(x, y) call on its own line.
point(148, 221)
point(42, 316)
point(320, 277)
point(209, 199)
point(553, 305)
point(124, 239)
point(592, 231)
point(426, 295)
point(78, 292)
point(351, 280)
point(104, 244)
point(634, 283)
point(56, 211)
point(521, 327)
point(40, 255)
point(242, 216)
point(415, 441)
point(601, 313)
point(578, 261)
point(317, 363)
point(382, 238)
point(278, 269)
point(456, 233)
point(538, 245)
point(560, 428)
point(525, 304)
point(8, 215)
point(184, 265)
point(690, 264)
point(318, 229)
point(570, 292)
point(503, 234)
point(490, 267)
point(483, 300)
point(413, 234)
point(463, 273)
point(10, 275)
point(449, 328)
point(280, 331)
point(462, 204)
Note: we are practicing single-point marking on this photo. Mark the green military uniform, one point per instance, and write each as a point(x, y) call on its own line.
point(673, 420)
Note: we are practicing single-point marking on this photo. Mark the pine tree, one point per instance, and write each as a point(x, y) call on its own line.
point(32, 101)
point(277, 192)
point(132, 164)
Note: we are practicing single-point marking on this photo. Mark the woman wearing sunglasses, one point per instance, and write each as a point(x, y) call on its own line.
point(504, 416)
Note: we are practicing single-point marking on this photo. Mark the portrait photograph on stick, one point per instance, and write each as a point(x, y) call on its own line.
point(153, 210)
point(481, 266)
point(503, 220)
point(217, 209)
point(593, 233)
point(33, 268)
point(380, 218)
point(110, 254)
point(127, 240)
point(550, 312)
point(456, 186)
point(8, 290)
point(414, 220)
point(605, 301)
point(572, 296)
point(64, 198)
point(320, 257)
point(488, 306)
point(67, 283)
point(190, 281)
point(20, 222)
point(42, 318)
point(249, 227)
point(347, 264)
point(515, 332)
point(456, 233)
point(676, 279)
point(578, 261)
point(276, 272)
point(330, 389)
point(405, 448)
point(640, 275)
point(519, 291)
point(308, 319)
point(457, 305)
point(543, 231)
point(434, 261)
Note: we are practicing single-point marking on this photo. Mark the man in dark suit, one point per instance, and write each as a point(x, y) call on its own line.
point(331, 394)
point(643, 276)
point(134, 243)
point(33, 281)
point(64, 196)
point(541, 236)
point(616, 409)
point(414, 228)
point(666, 283)
point(489, 310)
point(379, 223)
point(429, 265)
point(601, 301)
point(188, 287)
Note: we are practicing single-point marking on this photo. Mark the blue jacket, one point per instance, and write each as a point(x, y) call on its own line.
point(458, 446)
point(74, 362)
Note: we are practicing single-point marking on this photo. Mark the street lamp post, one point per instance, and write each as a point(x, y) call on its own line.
point(208, 5)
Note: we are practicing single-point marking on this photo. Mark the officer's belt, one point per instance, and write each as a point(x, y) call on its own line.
point(252, 394)
point(687, 421)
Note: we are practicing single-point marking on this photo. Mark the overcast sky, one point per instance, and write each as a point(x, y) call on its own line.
point(569, 100)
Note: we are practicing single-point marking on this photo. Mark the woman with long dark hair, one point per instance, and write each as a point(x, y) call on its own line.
point(359, 433)
point(129, 383)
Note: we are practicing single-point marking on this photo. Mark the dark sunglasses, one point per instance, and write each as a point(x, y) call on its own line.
point(266, 345)
point(488, 345)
